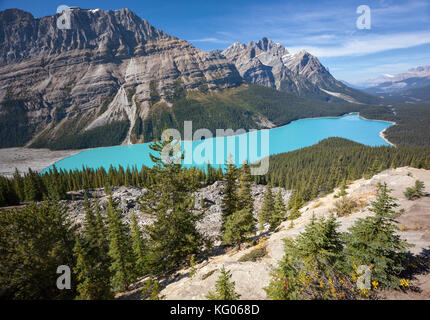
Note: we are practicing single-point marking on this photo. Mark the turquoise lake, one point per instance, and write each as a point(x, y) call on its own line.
point(251, 145)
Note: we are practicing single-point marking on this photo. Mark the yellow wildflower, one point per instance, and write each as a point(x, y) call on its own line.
point(404, 283)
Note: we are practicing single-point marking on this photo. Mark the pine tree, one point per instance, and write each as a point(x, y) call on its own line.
point(139, 247)
point(34, 241)
point(374, 241)
point(320, 244)
point(102, 233)
point(209, 174)
point(415, 192)
point(342, 192)
point(55, 188)
point(374, 169)
point(312, 264)
point(151, 289)
point(33, 186)
point(224, 288)
point(92, 268)
point(332, 178)
point(291, 199)
point(8, 195)
point(90, 220)
point(230, 197)
point(123, 263)
point(18, 185)
point(316, 186)
point(239, 226)
point(268, 207)
point(173, 237)
point(245, 200)
point(295, 210)
point(279, 212)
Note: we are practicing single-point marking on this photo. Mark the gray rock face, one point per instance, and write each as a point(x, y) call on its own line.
point(127, 199)
point(109, 65)
point(270, 64)
point(251, 277)
point(106, 58)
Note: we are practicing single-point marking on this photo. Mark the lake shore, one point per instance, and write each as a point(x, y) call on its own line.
point(382, 133)
point(23, 158)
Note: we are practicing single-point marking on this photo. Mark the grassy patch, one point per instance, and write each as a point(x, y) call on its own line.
point(207, 275)
point(254, 255)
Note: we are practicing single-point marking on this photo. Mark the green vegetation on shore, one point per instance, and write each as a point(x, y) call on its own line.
point(318, 169)
point(107, 255)
point(110, 134)
point(412, 123)
point(323, 263)
point(310, 171)
point(238, 108)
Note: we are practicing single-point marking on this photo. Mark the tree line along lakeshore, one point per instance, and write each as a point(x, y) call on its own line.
point(107, 255)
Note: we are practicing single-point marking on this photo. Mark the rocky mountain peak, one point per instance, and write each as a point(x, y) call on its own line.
point(270, 64)
point(264, 45)
point(267, 45)
point(277, 68)
point(306, 64)
point(107, 66)
point(113, 32)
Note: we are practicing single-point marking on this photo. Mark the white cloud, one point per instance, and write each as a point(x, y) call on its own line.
point(368, 45)
point(211, 40)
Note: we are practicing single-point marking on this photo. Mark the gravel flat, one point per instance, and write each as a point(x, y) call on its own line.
point(24, 158)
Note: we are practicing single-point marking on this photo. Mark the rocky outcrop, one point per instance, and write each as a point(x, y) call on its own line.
point(251, 277)
point(57, 84)
point(271, 64)
point(98, 70)
point(127, 199)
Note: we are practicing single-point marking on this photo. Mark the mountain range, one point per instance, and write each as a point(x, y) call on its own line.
point(113, 78)
point(410, 86)
point(270, 64)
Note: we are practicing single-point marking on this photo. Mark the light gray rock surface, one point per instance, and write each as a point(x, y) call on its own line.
point(97, 71)
point(251, 277)
point(127, 199)
point(270, 64)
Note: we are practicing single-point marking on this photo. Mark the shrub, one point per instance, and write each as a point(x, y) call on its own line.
point(254, 255)
point(415, 192)
point(151, 289)
point(224, 288)
point(312, 266)
point(374, 241)
point(238, 227)
point(345, 206)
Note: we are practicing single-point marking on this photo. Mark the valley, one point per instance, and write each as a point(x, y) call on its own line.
point(289, 184)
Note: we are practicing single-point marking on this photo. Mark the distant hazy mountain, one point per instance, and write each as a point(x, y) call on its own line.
point(413, 78)
point(351, 85)
point(271, 64)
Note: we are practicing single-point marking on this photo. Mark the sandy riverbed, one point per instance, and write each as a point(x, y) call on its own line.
point(24, 158)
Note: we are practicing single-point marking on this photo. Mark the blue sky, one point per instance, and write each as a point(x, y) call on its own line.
point(399, 37)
